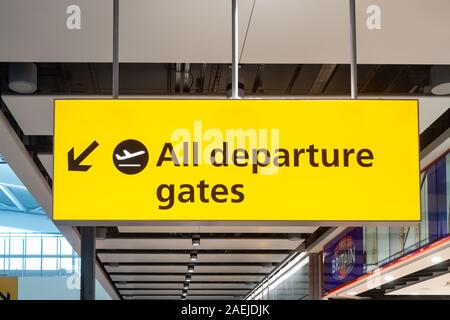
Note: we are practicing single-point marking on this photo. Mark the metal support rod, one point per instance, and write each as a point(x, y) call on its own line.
point(234, 49)
point(87, 291)
point(115, 73)
point(353, 62)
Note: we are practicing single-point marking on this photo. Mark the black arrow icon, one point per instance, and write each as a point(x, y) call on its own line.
point(75, 164)
point(5, 297)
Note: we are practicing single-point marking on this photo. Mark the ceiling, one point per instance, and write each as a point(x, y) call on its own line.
point(212, 79)
point(269, 31)
point(152, 262)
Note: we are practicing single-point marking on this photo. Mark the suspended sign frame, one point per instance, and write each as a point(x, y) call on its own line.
point(282, 161)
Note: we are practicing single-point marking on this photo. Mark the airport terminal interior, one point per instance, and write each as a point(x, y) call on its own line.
point(243, 51)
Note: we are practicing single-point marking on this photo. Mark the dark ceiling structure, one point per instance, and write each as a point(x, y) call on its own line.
point(212, 79)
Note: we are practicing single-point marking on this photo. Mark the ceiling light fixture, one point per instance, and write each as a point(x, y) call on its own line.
point(294, 237)
point(440, 80)
point(23, 77)
point(188, 278)
point(196, 240)
point(184, 292)
point(193, 256)
point(389, 278)
point(186, 286)
point(436, 259)
point(190, 268)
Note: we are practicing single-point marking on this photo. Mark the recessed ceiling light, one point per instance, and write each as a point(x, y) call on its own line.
point(436, 259)
point(188, 278)
point(294, 236)
point(186, 286)
point(190, 268)
point(389, 278)
point(196, 240)
point(193, 256)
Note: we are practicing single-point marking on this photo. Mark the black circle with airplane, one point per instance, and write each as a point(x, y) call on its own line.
point(130, 156)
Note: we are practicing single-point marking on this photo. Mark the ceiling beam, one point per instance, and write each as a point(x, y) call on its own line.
point(188, 251)
point(258, 83)
point(322, 79)
point(185, 273)
point(223, 236)
point(293, 79)
point(196, 263)
point(369, 78)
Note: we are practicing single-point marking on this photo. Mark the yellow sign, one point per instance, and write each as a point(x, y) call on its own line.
point(8, 288)
point(236, 160)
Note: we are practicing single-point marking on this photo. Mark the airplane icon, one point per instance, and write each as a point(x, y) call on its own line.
point(128, 155)
point(130, 162)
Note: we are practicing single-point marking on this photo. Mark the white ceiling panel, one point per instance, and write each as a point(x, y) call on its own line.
point(183, 268)
point(206, 297)
point(410, 32)
point(280, 31)
point(233, 292)
point(195, 277)
point(217, 229)
point(146, 278)
point(37, 31)
point(209, 297)
point(291, 31)
point(141, 292)
point(153, 298)
point(196, 31)
point(131, 286)
point(162, 292)
point(230, 244)
point(192, 285)
point(202, 257)
point(242, 286)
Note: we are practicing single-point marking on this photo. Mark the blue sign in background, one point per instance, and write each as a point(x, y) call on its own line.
point(343, 259)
